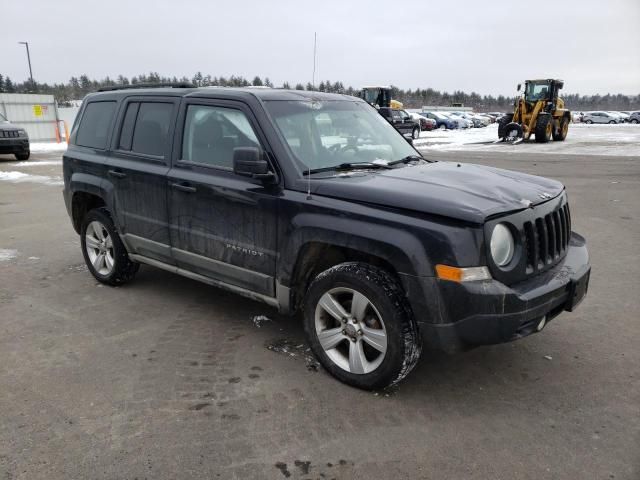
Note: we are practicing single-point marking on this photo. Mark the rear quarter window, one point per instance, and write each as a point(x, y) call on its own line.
point(93, 131)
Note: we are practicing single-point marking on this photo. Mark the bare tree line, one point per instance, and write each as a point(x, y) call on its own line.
point(77, 87)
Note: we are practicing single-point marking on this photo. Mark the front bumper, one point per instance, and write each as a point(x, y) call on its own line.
point(14, 145)
point(455, 316)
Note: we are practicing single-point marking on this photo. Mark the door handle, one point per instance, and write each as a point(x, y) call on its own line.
point(117, 174)
point(183, 188)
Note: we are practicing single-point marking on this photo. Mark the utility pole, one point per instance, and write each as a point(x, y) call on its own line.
point(26, 44)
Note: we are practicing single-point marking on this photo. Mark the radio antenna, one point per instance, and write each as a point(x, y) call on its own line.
point(313, 85)
point(315, 50)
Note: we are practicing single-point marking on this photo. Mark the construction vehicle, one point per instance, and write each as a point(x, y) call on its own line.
point(538, 111)
point(380, 97)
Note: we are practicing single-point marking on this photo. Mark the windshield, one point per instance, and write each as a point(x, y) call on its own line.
point(331, 133)
point(537, 91)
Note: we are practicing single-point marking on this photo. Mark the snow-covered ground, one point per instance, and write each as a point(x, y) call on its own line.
point(48, 147)
point(21, 177)
point(616, 140)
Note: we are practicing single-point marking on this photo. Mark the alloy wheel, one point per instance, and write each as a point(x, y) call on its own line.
point(99, 246)
point(350, 330)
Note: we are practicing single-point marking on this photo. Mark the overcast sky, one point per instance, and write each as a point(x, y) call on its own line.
point(471, 45)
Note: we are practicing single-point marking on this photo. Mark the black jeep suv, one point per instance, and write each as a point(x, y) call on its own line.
point(313, 203)
point(13, 140)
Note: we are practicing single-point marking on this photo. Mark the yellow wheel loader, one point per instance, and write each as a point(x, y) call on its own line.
point(538, 111)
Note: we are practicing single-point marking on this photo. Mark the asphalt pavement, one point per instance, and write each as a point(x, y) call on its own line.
point(168, 378)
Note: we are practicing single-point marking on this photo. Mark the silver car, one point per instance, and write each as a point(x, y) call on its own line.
point(601, 117)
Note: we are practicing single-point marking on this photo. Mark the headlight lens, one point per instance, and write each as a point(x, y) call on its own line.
point(502, 245)
point(22, 132)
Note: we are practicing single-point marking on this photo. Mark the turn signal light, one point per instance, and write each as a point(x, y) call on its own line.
point(457, 274)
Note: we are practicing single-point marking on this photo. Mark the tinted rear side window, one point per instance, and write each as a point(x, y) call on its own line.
point(128, 124)
point(152, 128)
point(93, 131)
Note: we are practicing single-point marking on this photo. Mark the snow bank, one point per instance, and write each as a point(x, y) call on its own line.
point(48, 147)
point(21, 177)
point(41, 163)
point(614, 140)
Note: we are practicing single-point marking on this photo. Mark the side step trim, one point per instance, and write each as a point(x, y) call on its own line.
point(210, 281)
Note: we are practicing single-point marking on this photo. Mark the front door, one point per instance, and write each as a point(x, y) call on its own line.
point(137, 169)
point(222, 225)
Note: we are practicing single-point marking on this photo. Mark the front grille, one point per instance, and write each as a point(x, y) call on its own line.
point(546, 238)
point(9, 133)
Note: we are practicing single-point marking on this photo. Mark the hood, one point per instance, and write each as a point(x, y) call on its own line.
point(463, 191)
point(6, 125)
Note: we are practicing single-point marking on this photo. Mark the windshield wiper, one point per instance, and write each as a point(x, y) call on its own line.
point(349, 166)
point(407, 159)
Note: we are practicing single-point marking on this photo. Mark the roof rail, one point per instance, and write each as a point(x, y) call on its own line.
point(147, 85)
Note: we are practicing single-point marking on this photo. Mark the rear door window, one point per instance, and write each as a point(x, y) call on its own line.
point(93, 131)
point(151, 128)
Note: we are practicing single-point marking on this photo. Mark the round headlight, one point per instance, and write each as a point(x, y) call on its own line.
point(502, 246)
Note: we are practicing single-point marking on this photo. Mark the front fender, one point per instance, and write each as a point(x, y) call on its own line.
point(399, 248)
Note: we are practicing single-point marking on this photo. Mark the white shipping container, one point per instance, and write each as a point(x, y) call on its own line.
point(37, 114)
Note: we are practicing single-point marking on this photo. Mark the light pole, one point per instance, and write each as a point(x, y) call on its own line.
point(26, 44)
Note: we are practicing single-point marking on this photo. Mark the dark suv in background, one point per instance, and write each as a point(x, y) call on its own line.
point(402, 121)
point(314, 204)
point(13, 140)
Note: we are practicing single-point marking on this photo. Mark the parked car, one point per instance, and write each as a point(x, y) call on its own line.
point(460, 121)
point(442, 122)
point(426, 124)
point(476, 120)
point(375, 248)
point(13, 140)
point(634, 117)
point(623, 116)
point(601, 117)
point(401, 120)
point(491, 118)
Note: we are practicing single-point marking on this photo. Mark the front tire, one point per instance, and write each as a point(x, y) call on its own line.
point(502, 123)
point(104, 253)
point(562, 131)
point(415, 133)
point(588, 122)
point(360, 326)
point(23, 156)
point(544, 128)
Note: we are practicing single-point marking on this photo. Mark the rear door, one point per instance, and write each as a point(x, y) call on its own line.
point(138, 169)
point(223, 225)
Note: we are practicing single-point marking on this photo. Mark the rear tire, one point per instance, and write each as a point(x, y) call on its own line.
point(563, 129)
point(544, 128)
point(415, 133)
point(502, 123)
point(104, 253)
point(372, 339)
point(24, 155)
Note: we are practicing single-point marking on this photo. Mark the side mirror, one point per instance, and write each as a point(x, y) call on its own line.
point(519, 85)
point(249, 162)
